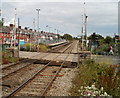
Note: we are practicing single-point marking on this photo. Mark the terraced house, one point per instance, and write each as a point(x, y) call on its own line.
point(11, 36)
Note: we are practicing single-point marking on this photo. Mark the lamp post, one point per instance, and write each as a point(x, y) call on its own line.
point(49, 29)
point(18, 37)
point(14, 28)
point(85, 26)
point(38, 10)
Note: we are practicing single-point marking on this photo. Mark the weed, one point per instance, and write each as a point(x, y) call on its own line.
point(101, 75)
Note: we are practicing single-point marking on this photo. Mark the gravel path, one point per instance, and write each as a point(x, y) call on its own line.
point(63, 82)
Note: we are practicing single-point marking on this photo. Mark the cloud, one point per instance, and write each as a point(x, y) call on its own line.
point(60, 0)
point(65, 16)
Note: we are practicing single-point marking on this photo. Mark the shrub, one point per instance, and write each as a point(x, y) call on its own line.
point(26, 47)
point(98, 74)
point(42, 48)
point(6, 58)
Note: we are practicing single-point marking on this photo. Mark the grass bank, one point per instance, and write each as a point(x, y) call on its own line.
point(7, 58)
point(96, 79)
point(34, 48)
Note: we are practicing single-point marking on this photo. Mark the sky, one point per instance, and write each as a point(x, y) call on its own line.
point(66, 16)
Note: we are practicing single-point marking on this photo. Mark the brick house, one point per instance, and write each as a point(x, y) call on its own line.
point(11, 35)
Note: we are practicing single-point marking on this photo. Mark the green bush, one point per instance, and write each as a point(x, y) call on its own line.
point(42, 47)
point(34, 48)
point(6, 58)
point(100, 74)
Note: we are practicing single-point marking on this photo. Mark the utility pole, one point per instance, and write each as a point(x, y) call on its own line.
point(82, 35)
point(85, 25)
point(38, 10)
point(84, 30)
point(14, 28)
point(34, 24)
point(18, 37)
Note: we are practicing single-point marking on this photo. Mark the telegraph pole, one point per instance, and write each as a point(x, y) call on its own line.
point(85, 24)
point(38, 10)
point(34, 24)
point(82, 35)
point(84, 30)
point(18, 37)
point(14, 28)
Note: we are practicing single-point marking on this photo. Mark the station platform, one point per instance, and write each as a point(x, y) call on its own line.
point(55, 44)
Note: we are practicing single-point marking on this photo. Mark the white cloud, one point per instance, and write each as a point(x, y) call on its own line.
point(60, 0)
point(64, 16)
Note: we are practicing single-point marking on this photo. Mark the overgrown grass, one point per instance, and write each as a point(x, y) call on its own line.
point(34, 48)
point(6, 58)
point(42, 47)
point(98, 74)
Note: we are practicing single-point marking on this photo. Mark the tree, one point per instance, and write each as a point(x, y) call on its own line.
point(67, 37)
point(1, 23)
point(95, 36)
point(108, 40)
point(58, 36)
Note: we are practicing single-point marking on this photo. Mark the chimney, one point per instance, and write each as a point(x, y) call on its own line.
point(19, 27)
point(42, 32)
point(11, 25)
point(26, 28)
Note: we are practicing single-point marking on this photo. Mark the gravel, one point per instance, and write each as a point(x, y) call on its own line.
point(63, 83)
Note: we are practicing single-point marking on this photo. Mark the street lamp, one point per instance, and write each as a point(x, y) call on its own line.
point(48, 27)
point(38, 10)
point(14, 28)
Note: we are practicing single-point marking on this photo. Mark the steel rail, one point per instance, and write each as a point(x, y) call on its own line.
point(59, 47)
point(52, 80)
point(22, 68)
point(68, 48)
point(17, 63)
point(29, 80)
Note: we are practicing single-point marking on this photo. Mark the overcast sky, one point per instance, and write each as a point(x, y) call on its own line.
point(65, 16)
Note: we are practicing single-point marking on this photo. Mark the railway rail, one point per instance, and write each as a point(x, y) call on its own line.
point(26, 88)
point(30, 82)
point(11, 70)
point(19, 62)
point(56, 49)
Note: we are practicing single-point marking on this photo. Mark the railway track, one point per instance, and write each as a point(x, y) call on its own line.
point(19, 62)
point(69, 48)
point(56, 49)
point(30, 83)
point(39, 81)
point(11, 70)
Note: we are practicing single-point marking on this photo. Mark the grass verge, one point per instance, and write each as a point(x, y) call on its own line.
point(96, 79)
